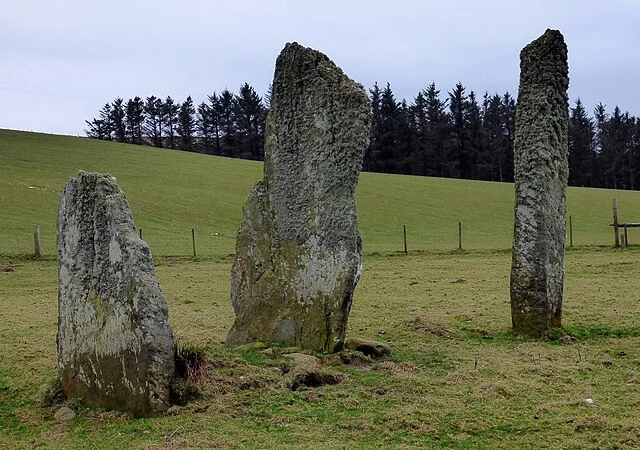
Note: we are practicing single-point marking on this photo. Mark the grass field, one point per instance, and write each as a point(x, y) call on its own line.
point(172, 192)
point(457, 378)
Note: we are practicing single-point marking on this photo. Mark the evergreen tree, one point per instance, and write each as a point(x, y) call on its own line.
point(404, 139)
point(250, 120)
point(581, 153)
point(170, 120)
point(101, 128)
point(460, 132)
point(134, 118)
point(475, 134)
point(388, 139)
point(509, 123)
point(491, 161)
point(105, 117)
point(419, 128)
point(603, 147)
point(215, 117)
point(203, 125)
point(153, 120)
point(117, 120)
point(186, 125)
point(371, 156)
point(97, 129)
point(622, 171)
point(438, 128)
point(228, 123)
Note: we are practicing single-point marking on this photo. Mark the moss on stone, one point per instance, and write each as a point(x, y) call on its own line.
point(298, 247)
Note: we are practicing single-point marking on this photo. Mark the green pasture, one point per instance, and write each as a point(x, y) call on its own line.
point(173, 192)
point(456, 378)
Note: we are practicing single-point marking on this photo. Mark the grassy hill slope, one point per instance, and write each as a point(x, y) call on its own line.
point(172, 192)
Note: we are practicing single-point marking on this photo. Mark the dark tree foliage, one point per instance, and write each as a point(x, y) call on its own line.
point(117, 119)
point(100, 128)
point(153, 109)
point(228, 123)
point(134, 118)
point(203, 128)
point(457, 136)
point(170, 112)
point(250, 114)
point(186, 125)
point(438, 157)
point(475, 134)
point(418, 126)
point(215, 123)
point(465, 128)
point(581, 147)
point(508, 110)
point(370, 162)
point(389, 140)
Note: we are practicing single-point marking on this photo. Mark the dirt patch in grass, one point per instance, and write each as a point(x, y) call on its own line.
point(312, 378)
point(433, 328)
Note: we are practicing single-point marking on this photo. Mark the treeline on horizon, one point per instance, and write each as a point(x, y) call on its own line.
point(456, 135)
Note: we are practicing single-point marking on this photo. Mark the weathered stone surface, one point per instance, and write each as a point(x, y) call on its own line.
point(115, 346)
point(298, 250)
point(541, 172)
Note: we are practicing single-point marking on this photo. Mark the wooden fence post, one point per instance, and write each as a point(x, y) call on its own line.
point(36, 242)
point(404, 231)
point(615, 223)
point(459, 235)
point(140, 233)
point(570, 232)
point(193, 238)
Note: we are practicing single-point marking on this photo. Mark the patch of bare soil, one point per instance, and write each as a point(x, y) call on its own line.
point(428, 327)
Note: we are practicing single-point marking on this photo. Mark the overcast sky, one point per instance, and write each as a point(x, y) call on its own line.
point(62, 60)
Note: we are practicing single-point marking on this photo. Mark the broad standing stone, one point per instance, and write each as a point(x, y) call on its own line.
point(115, 346)
point(541, 172)
point(298, 250)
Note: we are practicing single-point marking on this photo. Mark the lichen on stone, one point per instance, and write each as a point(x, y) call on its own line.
point(541, 173)
point(298, 250)
point(115, 346)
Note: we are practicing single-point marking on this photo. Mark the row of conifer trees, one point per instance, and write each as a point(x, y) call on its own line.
point(455, 135)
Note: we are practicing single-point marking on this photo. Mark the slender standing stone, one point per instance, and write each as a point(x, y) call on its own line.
point(541, 172)
point(298, 250)
point(115, 346)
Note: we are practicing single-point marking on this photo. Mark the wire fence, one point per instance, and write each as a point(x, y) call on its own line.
point(209, 242)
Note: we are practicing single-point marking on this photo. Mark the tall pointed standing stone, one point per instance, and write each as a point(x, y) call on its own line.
point(298, 250)
point(541, 172)
point(115, 346)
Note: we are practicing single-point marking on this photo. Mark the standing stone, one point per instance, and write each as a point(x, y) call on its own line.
point(115, 346)
point(541, 172)
point(298, 250)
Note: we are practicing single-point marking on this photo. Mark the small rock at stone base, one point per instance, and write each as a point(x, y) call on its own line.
point(368, 347)
point(302, 359)
point(64, 414)
point(268, 352)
